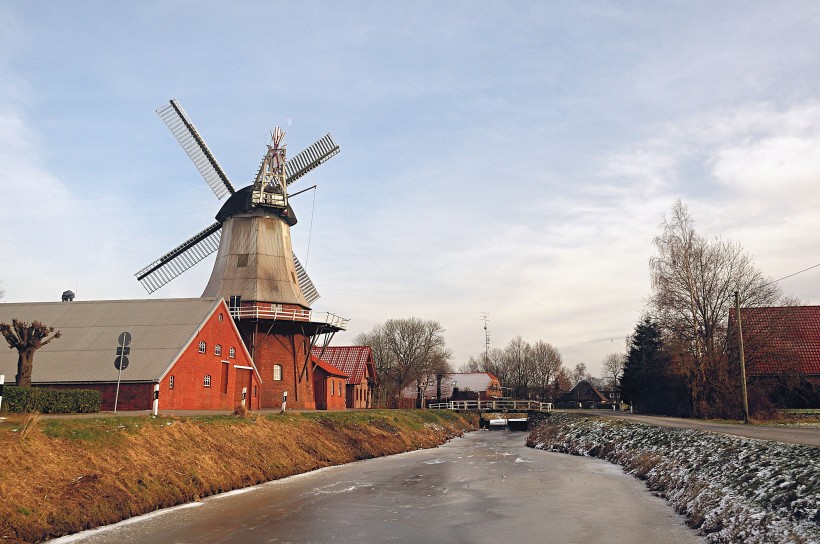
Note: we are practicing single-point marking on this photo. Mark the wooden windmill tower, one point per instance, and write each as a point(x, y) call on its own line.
point(269, 292)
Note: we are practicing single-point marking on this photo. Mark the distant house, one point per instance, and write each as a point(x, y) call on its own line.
point(782, 350)
point(460, 386)
point(586, 395)
point(357, 363)
point(328, 386)
point(190, 347)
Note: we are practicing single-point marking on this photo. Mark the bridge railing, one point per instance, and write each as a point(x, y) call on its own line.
point(492, 405)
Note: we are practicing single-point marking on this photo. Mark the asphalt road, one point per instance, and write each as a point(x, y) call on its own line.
point(792, 434)
point(486, 487)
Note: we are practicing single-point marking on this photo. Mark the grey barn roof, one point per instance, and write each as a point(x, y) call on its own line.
point(85, 352)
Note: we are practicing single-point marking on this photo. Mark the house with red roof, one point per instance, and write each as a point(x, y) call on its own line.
point(328, 386)
point(357, 363)
point(782, 350)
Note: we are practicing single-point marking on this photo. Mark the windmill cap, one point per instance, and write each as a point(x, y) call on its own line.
point(240, 202)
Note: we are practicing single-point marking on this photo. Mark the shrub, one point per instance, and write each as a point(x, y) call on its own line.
point(50, 401)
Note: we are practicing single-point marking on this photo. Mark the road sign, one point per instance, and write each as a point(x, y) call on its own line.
point(121, 362)
point(124, 339)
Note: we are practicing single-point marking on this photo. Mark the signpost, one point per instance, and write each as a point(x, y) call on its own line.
point(284, 402)
point(121, 361)
point(2, 381)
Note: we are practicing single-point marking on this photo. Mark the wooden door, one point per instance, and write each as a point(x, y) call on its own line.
point(243, 380)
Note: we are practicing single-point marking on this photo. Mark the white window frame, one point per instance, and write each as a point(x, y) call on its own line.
point(218, 350)
point(206, 381)
point(203, 347)
point(277, 369)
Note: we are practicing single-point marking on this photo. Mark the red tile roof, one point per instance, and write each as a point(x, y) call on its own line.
point(352, 360)
point(330, 369)
point(780, 339)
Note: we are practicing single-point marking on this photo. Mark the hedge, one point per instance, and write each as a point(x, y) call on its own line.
point(50, 401)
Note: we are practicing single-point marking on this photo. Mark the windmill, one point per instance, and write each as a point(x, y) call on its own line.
point(251, 235)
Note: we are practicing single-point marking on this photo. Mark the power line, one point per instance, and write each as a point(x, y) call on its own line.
point(790, 275)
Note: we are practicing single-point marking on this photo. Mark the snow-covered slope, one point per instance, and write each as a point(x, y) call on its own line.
point(732, 489)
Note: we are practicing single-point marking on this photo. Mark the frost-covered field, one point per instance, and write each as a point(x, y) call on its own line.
point(732, 489)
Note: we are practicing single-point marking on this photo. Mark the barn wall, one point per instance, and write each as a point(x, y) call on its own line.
point(224, 393)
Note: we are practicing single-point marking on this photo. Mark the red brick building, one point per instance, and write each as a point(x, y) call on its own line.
point(328, 386)
point(782, 352)
point(357, 363)
point(191, 347)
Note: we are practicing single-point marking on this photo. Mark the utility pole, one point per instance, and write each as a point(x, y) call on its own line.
point(742, 359)
point(485, 316)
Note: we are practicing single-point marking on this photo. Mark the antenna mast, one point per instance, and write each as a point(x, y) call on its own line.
point(485, 317)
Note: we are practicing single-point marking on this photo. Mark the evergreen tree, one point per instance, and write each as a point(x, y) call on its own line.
point(649, 381)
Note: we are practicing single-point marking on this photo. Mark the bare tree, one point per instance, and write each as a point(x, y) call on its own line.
point(26, 338)
point(409, 352)
point(2, 291)
point(547, 362)
point(579, 374)
point(693, 282)
point(612, 368)
point(518, 363)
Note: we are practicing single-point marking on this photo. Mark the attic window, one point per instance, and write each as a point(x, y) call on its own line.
point(217, 350)
point(221, 317)
point(202, 347)
point(232, 353)
point(242, 260)
point(207, 381)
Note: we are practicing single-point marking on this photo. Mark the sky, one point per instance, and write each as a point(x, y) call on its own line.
point(508, 158)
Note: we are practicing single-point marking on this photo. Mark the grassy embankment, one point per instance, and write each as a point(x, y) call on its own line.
point(731, 489)
point(61, 476)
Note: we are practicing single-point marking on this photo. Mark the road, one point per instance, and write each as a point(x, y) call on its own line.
point(486, 487)
point(792, 434)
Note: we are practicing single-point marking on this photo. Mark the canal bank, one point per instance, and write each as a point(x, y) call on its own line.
point(67, 475)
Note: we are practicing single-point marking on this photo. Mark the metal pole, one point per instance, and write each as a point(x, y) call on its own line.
point(2, 381)
point(284, 402)
point(117, 396)
point(742, 359)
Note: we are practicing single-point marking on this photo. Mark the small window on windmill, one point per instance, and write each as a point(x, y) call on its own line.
point(242, 260)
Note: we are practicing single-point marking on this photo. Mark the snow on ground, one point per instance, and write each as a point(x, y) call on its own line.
point(731, 489)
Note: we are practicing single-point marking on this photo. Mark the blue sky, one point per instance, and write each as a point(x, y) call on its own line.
point(511, 158)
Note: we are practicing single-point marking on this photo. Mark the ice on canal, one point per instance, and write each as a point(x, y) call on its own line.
point(486, 487)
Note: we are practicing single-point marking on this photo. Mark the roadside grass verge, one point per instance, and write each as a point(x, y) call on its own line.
point(731, 489)
point(65, 475)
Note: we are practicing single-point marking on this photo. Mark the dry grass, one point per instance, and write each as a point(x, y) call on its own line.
point(74, 474)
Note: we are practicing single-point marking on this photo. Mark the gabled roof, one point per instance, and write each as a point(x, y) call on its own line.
point(330, 369)
point(160, 329)
point(352, 360)
point(780, 338)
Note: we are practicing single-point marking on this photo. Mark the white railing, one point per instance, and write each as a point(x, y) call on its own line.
point(283, 314)
point(489, 405)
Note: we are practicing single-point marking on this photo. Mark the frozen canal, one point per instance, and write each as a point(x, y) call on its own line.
point(485, 487)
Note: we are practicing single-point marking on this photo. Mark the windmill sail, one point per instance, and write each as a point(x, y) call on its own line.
point(305, 284)
point(180, 259)
point(183, 130)
point(310, 158)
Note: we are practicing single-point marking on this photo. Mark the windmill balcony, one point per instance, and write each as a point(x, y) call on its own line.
point(278, 313)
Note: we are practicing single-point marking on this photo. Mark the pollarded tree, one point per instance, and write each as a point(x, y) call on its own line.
point(26, 338)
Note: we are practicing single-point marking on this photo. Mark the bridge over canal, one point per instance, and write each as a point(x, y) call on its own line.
point(500, 406)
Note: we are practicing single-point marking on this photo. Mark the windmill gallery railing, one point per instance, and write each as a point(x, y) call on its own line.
point(494, 405)
point(288, 314)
